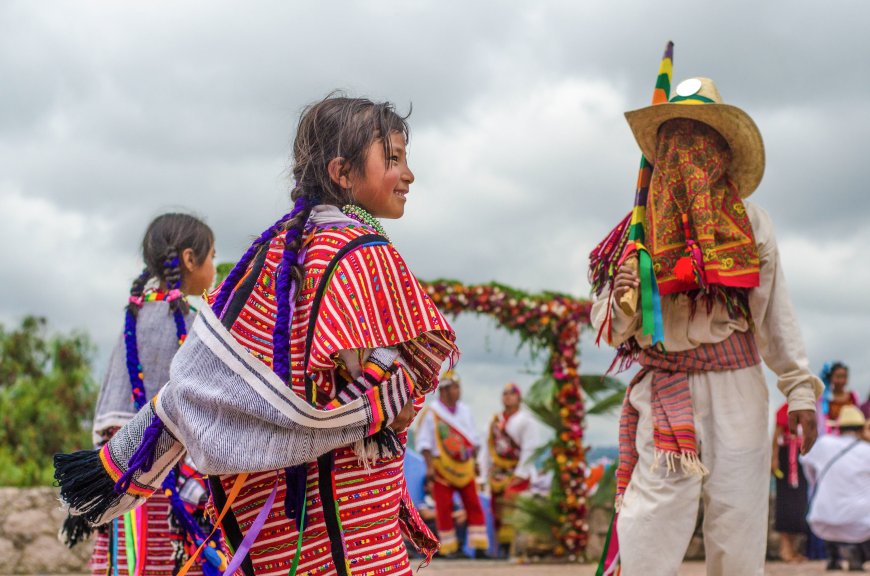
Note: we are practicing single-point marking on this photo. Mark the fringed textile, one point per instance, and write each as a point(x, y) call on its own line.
point(671, 403)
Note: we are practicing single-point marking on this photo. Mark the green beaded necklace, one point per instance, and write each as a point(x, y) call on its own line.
point(362, 216)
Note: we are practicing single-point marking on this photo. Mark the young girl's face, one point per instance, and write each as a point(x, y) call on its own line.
point(383, 188)
point(196, 278)
point(839, 379)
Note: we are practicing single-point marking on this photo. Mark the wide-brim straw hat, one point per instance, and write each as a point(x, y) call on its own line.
point(850, 417)
point(698, 99)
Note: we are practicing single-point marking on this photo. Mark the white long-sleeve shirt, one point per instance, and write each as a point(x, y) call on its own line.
point(425, 434)
point(776, 328)
point(529, 434)
point(840, 508)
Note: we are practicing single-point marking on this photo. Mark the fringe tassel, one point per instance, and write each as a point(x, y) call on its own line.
point(416, 532)
point(626, 355)
point(85, 486)
point(75, 529)
point(143, 458)
point(381, 445)
point(607, 325)
point(692, 465)
point(690, 462)
point(603, 258)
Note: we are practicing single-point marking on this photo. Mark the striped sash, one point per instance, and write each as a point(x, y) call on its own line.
point(671, 402)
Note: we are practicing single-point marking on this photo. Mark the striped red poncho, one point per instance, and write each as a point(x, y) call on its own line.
point(372, 300)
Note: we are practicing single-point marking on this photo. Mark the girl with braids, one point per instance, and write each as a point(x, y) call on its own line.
point(178, 250)
point(294, 388)
point(346, 512)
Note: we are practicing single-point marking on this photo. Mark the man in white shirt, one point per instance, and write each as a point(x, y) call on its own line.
point(838, 471)
point(514, 437)
point(713, 304)
point(448, 441)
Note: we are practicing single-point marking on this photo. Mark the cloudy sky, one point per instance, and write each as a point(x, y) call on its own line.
point(113, 112)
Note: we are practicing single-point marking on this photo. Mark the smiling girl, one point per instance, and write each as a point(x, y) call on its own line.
point(328, 332)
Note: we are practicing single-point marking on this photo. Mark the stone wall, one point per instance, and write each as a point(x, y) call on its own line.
point(29, 522)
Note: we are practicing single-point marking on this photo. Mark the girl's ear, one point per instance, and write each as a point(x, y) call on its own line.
point(188, 260)
point(338, 174)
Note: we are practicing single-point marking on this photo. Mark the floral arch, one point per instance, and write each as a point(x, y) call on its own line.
point(549, 323)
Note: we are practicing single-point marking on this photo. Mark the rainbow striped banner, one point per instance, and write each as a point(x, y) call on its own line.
point(650, 301)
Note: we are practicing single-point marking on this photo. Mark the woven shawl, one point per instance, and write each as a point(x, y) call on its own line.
point(232, 414)
point(671, 403)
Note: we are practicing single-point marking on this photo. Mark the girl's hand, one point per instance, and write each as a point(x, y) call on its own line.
point(403, 420)
point(626, 279)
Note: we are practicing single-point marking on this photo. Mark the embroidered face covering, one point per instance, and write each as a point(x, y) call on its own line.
point(697, 229)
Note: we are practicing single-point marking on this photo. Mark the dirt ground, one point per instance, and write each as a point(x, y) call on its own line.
point(490, 568)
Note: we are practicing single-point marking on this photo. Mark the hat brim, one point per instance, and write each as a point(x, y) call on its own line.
point(735, 125)
point(856, 423)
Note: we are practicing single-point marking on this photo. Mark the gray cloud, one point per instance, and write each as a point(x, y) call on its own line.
point(111, 113)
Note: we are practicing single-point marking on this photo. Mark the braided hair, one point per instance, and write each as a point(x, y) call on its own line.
point(335, 127)
point(167, 236)
point(134, 368)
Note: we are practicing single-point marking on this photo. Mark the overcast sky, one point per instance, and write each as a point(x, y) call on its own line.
point(113, 112)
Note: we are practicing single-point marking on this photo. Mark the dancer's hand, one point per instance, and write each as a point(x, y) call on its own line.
point(807, 421)
point(625, 280)
point(403, 419)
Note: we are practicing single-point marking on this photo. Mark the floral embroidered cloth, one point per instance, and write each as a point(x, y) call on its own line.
point(693, 200)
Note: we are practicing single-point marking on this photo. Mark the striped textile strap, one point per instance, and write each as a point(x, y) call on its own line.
point(234, 493)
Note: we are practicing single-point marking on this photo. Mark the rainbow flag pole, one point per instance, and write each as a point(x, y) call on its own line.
point(650, 301)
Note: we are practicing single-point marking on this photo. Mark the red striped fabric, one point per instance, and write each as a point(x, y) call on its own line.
point(159, 558)
point(372, 300)
point(671, 397)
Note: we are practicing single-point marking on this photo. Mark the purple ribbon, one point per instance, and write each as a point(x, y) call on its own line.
point(253, 532)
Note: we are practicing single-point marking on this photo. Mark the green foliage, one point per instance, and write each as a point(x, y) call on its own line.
point(222, 270)
point(541, 400)
point(536, 515)
point(603, 395)
point(605, 494)
point(605, 392)
point(46, 392)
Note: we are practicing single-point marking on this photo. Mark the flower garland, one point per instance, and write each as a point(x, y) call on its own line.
point(546, 322)
point(362, 216)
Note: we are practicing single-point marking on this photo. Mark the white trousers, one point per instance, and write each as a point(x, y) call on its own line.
point(659, 510)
